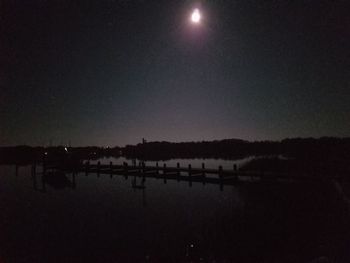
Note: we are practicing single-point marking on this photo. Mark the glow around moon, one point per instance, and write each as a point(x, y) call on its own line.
point(196, 16)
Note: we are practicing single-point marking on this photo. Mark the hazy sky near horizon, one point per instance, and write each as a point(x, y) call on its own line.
point(113, 72)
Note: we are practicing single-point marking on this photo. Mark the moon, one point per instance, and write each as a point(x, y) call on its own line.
point(196, 16)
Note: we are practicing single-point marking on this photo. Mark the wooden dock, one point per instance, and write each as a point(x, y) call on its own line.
point(190, 174)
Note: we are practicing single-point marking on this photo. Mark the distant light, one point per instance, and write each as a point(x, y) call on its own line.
point(196, 16)
point(65, 148)
point(45, 153)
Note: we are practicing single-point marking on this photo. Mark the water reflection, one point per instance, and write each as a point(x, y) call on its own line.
point(136, 219)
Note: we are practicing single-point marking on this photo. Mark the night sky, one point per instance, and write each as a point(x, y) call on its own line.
point(113, 72)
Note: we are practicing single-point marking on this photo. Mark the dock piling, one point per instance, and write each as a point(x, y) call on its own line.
point(143, 167)
point(190, 174)
point(125, 164)
point(220, 172)
point(164, 168)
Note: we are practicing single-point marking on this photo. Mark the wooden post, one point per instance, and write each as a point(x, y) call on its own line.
point(157, 168)
point(190, 174)
point(143, 177)
point(220, 172)
point(235, 167)
point(143, 167)
point(164, 168)
point(125, 169)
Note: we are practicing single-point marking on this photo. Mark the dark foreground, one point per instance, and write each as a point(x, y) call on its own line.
point(103, 219)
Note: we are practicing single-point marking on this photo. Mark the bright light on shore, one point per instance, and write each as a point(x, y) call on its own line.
point(196, 16)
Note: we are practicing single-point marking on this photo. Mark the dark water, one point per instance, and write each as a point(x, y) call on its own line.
point(103, 219)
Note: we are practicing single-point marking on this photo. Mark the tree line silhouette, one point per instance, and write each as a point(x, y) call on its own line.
point(328, 152)
point(325, 147)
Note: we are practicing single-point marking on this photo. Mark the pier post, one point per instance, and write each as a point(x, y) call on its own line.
point(220, 172)
point(235, 171)
point(157, 168)
point(140, 167)
point(125, 164)
point(190, 174)
point(143, 167)
point(164, 168)
point(143, 177)
point(203, 173)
